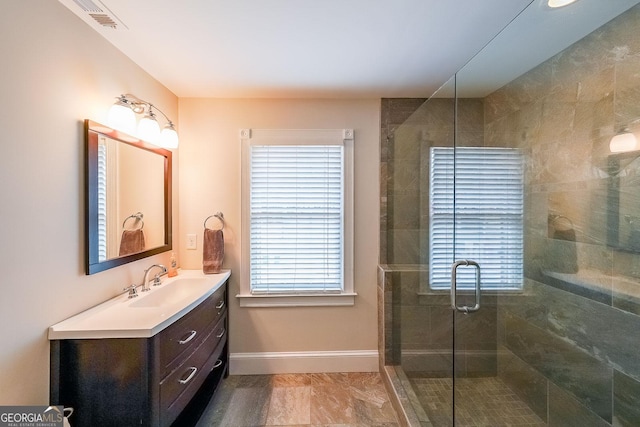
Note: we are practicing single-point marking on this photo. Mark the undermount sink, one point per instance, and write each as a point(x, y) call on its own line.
point(170, 293)
point(124, 317)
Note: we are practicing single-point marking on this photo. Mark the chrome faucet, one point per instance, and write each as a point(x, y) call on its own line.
point(156, 279)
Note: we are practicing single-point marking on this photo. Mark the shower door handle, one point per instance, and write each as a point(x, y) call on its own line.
point(454, 305)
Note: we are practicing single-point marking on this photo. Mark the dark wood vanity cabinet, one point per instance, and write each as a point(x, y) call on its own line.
point(155, 381)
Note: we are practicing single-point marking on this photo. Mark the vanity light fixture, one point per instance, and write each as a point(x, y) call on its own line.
point(559, 3)
point(623, 141)
point(122, 116)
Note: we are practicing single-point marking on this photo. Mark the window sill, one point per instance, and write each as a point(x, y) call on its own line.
point(297, 300)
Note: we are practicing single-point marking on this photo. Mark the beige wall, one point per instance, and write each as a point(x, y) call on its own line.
point(210, 182)
point(56, 72)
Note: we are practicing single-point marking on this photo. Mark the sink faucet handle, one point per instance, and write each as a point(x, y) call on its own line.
point(132, 290)
point(156, 280)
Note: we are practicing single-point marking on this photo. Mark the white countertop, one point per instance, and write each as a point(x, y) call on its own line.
point(145, 315)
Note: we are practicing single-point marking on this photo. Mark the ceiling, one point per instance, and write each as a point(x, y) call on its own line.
point(318, 49)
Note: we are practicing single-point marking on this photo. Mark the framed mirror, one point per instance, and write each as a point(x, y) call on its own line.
point(128, 198)
point(623, 202)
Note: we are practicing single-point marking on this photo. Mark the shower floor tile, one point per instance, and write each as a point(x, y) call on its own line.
point(479, 402)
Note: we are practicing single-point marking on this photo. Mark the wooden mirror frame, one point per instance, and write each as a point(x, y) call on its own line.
point(92, 131)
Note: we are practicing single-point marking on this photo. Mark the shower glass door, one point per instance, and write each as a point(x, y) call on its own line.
point(487, 213)
point(475, 263)
point(484, 177)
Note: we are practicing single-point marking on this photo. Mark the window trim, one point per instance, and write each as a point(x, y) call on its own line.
point(344, 137)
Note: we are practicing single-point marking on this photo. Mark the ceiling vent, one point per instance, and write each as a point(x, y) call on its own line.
point(88, 6)
point(99, 13)
point(104, 20)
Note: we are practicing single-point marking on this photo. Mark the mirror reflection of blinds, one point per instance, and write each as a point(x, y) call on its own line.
point(102, 200)
point(296, 226)
point(488, 213)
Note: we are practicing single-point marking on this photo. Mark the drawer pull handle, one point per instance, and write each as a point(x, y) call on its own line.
point(191, 336)
point(221, 334)
point(190, 377)
point(217, 364)
point(220, 305)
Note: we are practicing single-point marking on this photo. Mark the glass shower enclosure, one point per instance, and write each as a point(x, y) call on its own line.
point(510, 231)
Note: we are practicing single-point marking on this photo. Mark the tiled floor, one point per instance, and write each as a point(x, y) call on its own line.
point(342, 399)
point(479, 402)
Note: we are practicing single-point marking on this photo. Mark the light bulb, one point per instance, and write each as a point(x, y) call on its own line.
point(559, 3)
point(623, 141)
point(169, 137)
point(122, 118)
point(149, 129)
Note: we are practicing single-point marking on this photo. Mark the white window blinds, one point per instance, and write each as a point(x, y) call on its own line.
point(488, 212)
point(296, 218)
point(102, 200)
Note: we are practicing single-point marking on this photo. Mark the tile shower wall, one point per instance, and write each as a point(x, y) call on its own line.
point(409, 127)
point(419, 322)
point(572, 339)
point(569, 344)
point(400, 181)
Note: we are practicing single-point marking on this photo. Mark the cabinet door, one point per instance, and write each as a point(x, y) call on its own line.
point(105, 381)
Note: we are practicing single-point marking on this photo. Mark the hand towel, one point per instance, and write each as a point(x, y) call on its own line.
point(212, 251)
point(132, 242)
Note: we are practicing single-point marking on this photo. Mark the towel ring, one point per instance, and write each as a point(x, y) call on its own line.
point(218, 215)
point(555, 218)
point(138, 217)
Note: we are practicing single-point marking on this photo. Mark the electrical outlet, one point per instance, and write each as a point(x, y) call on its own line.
point(192, 241)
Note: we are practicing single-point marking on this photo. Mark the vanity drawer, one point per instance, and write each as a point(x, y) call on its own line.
point(189, 332)
point(146, 381)
point(179, 386)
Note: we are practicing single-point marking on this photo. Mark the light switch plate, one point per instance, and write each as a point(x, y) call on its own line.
point(192, 241)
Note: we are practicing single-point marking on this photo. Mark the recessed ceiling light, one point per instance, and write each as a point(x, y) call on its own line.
point(559, 3)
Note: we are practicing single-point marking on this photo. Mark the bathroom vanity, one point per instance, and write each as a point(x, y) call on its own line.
point(144, 361)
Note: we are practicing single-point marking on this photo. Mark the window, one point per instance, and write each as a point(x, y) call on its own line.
point(102, 199)
point(488, 214)
point(108, 242)
point(297, 217)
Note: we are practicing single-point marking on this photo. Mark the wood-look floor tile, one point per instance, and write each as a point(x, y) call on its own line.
point(364, 378)
point(247, 407)
point(372, 405)
point(374, 394)
point(331, 404)
point(302, 400)
point(245, 381)
point(330, 378)
point(291, 380)
point(353, 425)
point(289, 406)
point(215, 411)
point(370, 414)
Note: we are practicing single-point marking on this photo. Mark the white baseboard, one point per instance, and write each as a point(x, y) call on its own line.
point(303, 362)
